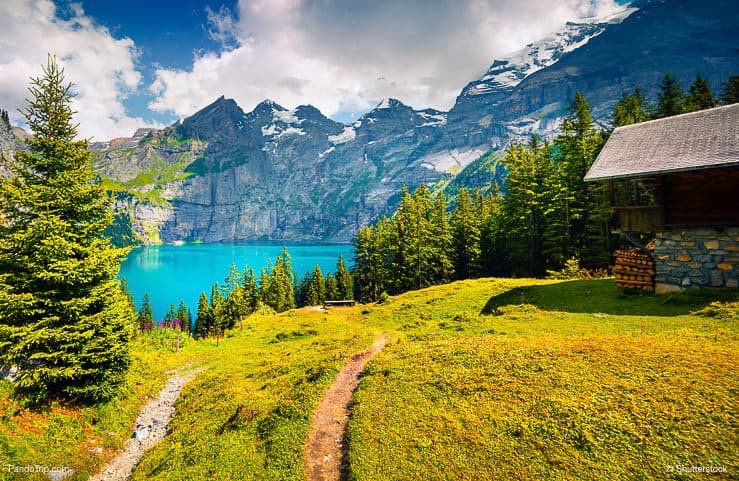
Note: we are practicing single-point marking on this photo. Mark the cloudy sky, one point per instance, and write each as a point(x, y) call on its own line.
point(139, 63)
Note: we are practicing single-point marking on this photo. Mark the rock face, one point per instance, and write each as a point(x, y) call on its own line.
point(223, 174)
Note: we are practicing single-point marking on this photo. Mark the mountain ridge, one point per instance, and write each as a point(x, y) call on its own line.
point(224, 174)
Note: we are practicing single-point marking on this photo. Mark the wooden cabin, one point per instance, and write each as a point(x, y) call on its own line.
point(685, 174)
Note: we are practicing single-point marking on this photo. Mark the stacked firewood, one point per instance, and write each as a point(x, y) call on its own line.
point(634, 269)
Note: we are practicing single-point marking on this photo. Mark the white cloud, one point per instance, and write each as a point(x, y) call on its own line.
point(102, 68)
point(344, 56)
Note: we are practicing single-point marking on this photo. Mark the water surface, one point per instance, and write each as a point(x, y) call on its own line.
point(173, 272)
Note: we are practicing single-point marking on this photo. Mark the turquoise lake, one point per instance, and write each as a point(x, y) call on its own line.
point(170, 273)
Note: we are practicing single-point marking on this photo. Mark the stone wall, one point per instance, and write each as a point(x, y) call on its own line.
point(696, 258)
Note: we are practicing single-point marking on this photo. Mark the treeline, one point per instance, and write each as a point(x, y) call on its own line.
point(672, 100)
point(242, 294)
point(547, 216)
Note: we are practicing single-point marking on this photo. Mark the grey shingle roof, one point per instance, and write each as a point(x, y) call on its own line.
point(698, 140)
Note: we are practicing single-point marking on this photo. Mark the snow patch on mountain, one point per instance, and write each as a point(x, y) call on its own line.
point(326, 152)
point(433, 120)
point(453, 160)
point(287, 116)
point(279, 132)
point(347, 135)
point(511, 70)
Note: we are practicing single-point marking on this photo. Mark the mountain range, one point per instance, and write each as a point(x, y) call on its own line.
point(223, 174)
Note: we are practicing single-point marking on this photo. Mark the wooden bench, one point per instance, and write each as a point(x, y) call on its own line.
point(348, 302)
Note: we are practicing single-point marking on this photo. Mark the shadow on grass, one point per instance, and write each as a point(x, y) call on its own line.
point(601, 296)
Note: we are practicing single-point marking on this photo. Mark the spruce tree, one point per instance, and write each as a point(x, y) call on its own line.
point(205, 319)
point(218, 306)
point(700, 96)
point(344, 281)
point(316, 292)
point(145, 317)
point(332, 288)
point(526, 201)
point(369, 265)
point(251, 292)
point(64, 320)
point(631, 109)
point(730, 90)
point(185, 316)
point(670, 98)
point(442, 269)
point(127, 292)
point(171, 316)
point(465, 229)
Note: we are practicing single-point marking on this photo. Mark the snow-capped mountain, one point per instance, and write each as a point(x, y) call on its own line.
point(276, 173)
point(509, 71)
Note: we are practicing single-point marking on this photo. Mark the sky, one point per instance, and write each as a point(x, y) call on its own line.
point(138, 63)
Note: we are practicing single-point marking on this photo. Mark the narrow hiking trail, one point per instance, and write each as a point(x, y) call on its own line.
point(325, 453)
point(150, 427)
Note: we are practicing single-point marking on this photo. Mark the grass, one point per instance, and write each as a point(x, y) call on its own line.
point(544, 380)
point(83, 437)
point(482, 379)
point(248, 414)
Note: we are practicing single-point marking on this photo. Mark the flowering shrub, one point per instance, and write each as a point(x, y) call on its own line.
point(167, 334)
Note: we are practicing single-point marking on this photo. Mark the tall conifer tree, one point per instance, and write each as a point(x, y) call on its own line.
point(465, 230)
point(670, 98)
point(344, 281)
point(730, 90)
point(64, 320)
point(700, 96)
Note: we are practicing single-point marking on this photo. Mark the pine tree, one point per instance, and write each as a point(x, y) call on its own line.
point(266, 292)
point(700, 96)
point(465, 230)
point(344, 280)
point(493, 258)
point(526, 201)
point(205, 319)
point(316, 292)
point(631, 109)
point(442, 268)
point(218, 306)
point(145, 317)
point(171, 315)
point(730, 90)
point(127, 292)
point(185, 316)
point(251, 292)
point(301, 295)
point(670, 98)
point(332, 288)
point(369, 265)
point(64, 320)
point(277, 287)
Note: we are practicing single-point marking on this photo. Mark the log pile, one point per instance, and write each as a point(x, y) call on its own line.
point(634, 269)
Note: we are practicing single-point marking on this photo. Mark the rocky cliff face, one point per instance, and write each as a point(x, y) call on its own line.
point(224, 174)
point(273, 173)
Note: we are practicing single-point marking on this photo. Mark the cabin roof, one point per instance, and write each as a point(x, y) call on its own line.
point(693, 141)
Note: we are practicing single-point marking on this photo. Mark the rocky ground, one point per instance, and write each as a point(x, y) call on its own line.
point(150, 427)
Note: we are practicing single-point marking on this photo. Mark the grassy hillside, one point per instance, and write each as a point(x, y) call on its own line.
point(483, 379)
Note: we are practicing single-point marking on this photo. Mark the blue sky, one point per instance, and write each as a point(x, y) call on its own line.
point(140, 63)
point(167, 33)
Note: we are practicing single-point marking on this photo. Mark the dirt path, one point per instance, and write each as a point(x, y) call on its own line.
point(151, 426)
point(325, 453)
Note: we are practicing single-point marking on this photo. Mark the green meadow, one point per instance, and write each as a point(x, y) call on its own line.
point(480, 379)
